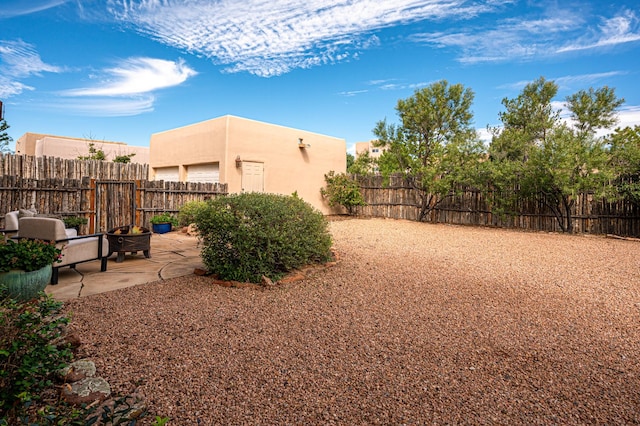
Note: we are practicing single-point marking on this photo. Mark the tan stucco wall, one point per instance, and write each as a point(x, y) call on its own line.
point(71, 148)
point(287, 168)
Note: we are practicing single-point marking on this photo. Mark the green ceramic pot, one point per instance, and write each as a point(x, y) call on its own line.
point(23, 285)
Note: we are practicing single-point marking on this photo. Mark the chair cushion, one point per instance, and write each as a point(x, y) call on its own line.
point(43, 228)
point(11, 220)
point(81, 250)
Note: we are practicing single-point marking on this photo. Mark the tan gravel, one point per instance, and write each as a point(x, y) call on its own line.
point(417, 324)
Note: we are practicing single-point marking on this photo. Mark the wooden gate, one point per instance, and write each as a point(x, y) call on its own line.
point(114, 204)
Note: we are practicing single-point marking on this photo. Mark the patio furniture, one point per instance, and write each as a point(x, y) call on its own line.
point(75, 249)
point(12, 222)
point(122, 241)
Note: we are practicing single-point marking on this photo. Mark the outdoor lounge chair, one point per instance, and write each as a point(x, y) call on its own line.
point(75, 249)
point(12, 223)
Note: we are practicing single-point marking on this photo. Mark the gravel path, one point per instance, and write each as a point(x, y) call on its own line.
point(417, 324)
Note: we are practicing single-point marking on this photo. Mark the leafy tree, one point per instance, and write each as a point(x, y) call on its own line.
point(94, 154)
point(566, 165)
point(526, 121)
point(362, 165)
point(545, 158)
point(625, 161)
point(350, 160)
point(342, 190)
point(5, 139)
point(594, 109)
point(434, 143)
point(125, 158)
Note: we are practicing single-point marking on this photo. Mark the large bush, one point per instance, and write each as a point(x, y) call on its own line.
point(250, 235)
point(188, 212)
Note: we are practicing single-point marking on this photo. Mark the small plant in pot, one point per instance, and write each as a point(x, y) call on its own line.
point(74, 222)
point(25, 266)
point(163, 222)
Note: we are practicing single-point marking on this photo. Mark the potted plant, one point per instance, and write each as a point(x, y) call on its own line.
point(25, 266)
point(74, 222)
point(163, 222)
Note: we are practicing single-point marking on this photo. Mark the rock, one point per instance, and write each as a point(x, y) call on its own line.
point(200, 272)
point(292, 278)
point(119, 411)
point(266, 281)
point(86, 391)
point(78, 370)
point(191, 230)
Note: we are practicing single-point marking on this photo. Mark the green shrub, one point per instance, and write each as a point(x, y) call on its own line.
point(250, 235)
point(164, 218)
point(29, 359)
point(188, 212)
point(342, 190)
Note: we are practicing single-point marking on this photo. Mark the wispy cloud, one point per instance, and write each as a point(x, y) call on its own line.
point(138, 75)
point(14, 8)
point(624, 28)
point(19, 60)
point(107, 106)
point(352, 93)
point(389, 84)
point(272, 37)
point(533, 38)
point(126, 89)
point(568, 81)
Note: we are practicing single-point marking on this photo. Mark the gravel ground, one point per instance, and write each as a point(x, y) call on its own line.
point(416, 324)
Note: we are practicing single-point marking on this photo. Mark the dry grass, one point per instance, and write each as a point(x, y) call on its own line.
point(416, 324)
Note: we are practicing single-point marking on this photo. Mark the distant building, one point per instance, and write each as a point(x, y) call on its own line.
point(249, 156)
point(374, 152)
point(40, 145)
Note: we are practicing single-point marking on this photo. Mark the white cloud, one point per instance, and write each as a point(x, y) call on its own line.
point(13, 8)
point(126, 89)
point(272, 37)
point(629, 116)
point(10, 87)
point(620, 29)
point(527, 39)
point(107, 107)
point(138, 75)
point(352, 93)
point(20, 60)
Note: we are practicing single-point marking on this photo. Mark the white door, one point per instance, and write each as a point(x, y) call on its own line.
point(252, 176)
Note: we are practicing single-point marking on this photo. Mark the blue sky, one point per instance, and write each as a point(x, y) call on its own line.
point(120, 70)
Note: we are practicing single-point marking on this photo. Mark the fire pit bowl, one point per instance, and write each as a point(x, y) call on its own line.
point(121, 241)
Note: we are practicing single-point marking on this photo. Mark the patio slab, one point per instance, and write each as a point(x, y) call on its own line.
point(173, 254)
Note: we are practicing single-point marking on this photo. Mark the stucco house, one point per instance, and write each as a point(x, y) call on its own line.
point(248, 155)
point(38, 144)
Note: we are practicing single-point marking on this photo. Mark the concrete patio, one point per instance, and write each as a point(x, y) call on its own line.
point(173, 254)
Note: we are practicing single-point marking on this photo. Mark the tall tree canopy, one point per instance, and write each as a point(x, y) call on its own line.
point(434, 144)
point(543, 156)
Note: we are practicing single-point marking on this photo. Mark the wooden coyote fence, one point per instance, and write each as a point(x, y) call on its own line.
point(105, 203)
point(396, 199)
point(31, 167)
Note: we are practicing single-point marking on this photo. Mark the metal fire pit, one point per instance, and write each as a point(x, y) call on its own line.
point(122, 242)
